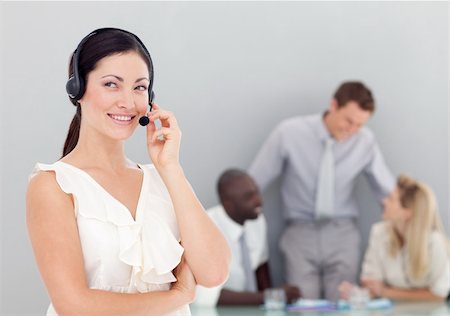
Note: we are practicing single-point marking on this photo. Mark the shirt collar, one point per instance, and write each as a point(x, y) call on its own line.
point(321, 128)
point(233, 229)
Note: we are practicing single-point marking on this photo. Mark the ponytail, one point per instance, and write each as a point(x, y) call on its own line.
point(73, 134)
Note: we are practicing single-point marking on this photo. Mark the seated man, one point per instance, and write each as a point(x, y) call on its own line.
point(240, 219)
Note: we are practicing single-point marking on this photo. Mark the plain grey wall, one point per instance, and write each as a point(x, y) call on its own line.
point(230, 72)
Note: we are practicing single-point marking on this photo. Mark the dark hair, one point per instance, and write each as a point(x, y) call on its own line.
point(99, 45)
point(355, 91)
point(226, 179)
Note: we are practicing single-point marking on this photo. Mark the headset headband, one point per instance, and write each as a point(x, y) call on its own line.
point(75, 85)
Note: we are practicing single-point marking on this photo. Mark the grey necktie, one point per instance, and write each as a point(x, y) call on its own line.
point(325, 184)
point(250, 280)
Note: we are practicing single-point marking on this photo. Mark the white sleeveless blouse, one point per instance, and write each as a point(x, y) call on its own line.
point(122, 254)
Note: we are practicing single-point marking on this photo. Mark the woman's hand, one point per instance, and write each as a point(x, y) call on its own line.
point(375, 287)
point(185, 283)
point(163, 144)
point(344, 289)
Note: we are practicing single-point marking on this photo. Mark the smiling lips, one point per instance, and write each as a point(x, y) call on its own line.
point(121, 118)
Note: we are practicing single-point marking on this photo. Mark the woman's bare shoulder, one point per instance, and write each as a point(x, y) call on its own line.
point(45, 194)
point(43, 182)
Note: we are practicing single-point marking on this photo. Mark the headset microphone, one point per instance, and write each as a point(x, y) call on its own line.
point(144, 120)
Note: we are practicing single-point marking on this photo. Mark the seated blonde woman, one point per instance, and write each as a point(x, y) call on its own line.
point(408, 253)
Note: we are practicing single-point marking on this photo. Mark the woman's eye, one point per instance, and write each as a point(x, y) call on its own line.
point(110, 85)
point(141, 88)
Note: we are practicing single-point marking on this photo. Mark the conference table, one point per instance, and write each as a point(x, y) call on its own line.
point(398, 309)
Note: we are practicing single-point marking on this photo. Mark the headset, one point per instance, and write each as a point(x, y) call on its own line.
point(75, 86)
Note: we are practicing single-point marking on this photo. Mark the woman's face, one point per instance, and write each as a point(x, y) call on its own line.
point(116, 95)
point(393, 210)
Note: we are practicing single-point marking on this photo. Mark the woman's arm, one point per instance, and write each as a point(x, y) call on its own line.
point(411, 294)
point(206, 250)
point(54, 236)
point(379, 289)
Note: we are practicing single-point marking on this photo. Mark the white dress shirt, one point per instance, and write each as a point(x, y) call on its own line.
point(256, 236)
point(380, 265)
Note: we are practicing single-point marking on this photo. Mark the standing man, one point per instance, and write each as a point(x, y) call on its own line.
point(240, 219)
point(319, 158)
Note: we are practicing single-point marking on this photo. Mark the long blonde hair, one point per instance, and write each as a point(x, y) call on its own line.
point(420, 200)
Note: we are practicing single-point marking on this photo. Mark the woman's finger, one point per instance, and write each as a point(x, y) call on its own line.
point(162, 134)
point(167, 118)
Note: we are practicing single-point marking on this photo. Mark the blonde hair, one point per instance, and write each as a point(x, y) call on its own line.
point(420, 200)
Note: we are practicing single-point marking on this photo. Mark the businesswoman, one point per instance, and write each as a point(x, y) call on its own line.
point(408, 253)
point(111, 236)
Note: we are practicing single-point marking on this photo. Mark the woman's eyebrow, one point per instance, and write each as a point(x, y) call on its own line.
point(143, 78)
point(121, 79)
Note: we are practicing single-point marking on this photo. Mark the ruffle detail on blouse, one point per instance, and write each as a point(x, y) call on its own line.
point(150, 243)
point(63, 181)
point(151, 249)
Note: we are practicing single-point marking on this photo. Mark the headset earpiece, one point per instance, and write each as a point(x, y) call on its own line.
point(74, 87)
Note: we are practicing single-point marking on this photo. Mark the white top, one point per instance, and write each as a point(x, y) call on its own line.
point(379, 265)
point(256, 237)
point(122, 254)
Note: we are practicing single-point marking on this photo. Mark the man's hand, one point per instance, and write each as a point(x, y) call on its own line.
point(344, 289)
point(292, 293)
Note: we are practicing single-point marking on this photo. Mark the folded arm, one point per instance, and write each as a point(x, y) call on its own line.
point(379, 289)
point(206, 249)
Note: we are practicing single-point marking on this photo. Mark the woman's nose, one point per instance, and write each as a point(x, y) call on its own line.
point(126, 100)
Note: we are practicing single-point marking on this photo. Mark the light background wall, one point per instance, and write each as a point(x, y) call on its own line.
point(230, 71)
